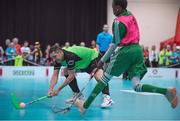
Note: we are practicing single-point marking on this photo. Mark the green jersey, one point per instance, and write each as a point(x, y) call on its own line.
point(18, 61)
point(77, 58)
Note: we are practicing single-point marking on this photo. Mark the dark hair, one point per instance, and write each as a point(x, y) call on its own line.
point(55, 48)
point(122, 3)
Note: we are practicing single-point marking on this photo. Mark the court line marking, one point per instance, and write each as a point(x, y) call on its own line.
point(139, 93)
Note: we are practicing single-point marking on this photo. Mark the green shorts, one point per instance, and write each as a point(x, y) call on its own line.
point(127, 59)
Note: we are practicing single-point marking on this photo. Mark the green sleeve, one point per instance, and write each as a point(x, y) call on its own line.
point(119, 30)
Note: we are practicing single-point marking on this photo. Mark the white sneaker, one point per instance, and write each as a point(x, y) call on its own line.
point(107, 101)
point(70, 100)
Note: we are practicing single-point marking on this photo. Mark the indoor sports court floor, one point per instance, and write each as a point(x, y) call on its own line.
point(128, 104)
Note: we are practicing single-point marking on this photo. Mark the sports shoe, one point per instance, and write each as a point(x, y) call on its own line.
point(70, 100)
point(107, 101)
point(171, 97)
point(79, 104)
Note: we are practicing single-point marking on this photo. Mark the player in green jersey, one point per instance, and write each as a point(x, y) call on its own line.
point(75, 59)
point(128, 58)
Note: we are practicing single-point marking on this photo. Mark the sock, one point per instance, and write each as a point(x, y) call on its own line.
point(73, 85)
point(98, 88)
point(106, 90)
point(150, 88)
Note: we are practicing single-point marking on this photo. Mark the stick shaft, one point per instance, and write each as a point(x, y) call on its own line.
point(36, 100)
point(91, 76)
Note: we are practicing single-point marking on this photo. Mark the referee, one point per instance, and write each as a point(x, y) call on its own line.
point(104, 39)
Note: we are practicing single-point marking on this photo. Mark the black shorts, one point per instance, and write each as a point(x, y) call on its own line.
point(92, 65)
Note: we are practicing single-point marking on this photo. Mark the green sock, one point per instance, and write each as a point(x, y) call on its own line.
point(98, 88)
point(153, 89)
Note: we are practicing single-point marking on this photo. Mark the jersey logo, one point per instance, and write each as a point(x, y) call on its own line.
point(71, 63)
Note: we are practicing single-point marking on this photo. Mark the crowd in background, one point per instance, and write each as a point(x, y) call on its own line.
point(169, 56)
point(29, 54)
point(25, 54)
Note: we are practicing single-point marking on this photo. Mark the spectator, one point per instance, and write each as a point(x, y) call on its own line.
point(178, 52)
point(10, 53)
point(49, 60)
point(94, 45)
point(18, 60)
point(1, 55)
point(169, 48)
point(174, 56)
point(104, 39)
point(82, 44)
point(47, 51)
point(67, 45)
point(57, 44)
point(37, 53)
point(153, 57)
point(17, 46)
point(25, 50)
point(164, 57)
point(7, 42)
point(146, 57)
point(31, 55)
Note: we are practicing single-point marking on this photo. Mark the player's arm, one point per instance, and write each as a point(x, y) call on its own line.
point(115, 42)
point(54, 78)
point(71, 76)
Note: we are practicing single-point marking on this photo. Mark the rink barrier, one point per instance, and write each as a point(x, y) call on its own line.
point(46, 72)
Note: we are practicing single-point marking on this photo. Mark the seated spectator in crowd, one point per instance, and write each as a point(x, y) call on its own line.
point(37, 53)
point(178, 52)
point(17, 45)
point(153, 57)
point(10, 53)
point(31, 55)
point(174, 59)
point(25, 50)
point(1, 55)
point(49, 60)
point(169, 48)
point(94, 45)
point(18, 60)
point(57, 44)
point(164, 56)
point(66, 45)
point(146, 57)
point(82, 44)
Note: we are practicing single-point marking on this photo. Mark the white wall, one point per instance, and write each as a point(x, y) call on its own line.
point(156, 19)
